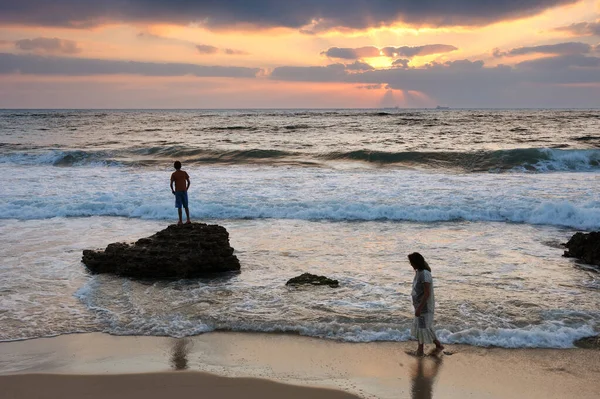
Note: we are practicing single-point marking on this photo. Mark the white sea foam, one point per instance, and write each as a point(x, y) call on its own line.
point(569, 200)
point(546, 335)
point(565, 160)
point(527, 210)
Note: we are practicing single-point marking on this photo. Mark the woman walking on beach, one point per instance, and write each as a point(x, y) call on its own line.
point(424, 303)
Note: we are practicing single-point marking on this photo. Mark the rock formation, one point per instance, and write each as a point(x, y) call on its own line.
point(588, 343)
point(585, 247)
point(187, 251)
point(313, 279)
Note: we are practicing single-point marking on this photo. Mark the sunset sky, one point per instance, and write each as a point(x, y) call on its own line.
point(299, 54)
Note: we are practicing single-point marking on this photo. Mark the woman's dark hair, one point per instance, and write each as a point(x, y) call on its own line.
point(177, 165)
point(418, 261)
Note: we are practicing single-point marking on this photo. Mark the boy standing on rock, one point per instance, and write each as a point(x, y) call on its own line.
point(182, 184)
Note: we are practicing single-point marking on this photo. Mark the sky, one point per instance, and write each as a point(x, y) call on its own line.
point(299, 54)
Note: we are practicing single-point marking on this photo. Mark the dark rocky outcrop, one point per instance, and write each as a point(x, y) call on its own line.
point(588, 343)
point(187, 251)
point(584, 246)
point(313, 279)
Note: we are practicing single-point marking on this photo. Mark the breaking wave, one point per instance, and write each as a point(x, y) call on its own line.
point(539, 160)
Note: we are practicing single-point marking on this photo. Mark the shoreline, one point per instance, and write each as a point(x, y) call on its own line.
point(369, 370)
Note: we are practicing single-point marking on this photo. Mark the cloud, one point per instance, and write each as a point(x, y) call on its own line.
point(371, 87)
point(560, 63)
point(409, 52)
point(48, 45)
point(401, 63)
point(318, 15)
point(164, 39)
point(557, 49)
point(39, 65)
point(329, 73)
point(458, 65)
point(230, 51)
point(206, 49)
point(201, 48)
point(582, 29)
point(359, 66)
point(352, 53)
point(468, 83)
point(391, 52)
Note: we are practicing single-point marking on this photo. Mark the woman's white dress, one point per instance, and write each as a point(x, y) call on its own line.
point(422, 327)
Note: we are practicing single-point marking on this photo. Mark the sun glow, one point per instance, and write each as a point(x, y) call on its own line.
point(379, 62)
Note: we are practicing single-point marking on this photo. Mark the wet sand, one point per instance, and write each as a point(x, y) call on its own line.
point(230, 365)
point(154, 386)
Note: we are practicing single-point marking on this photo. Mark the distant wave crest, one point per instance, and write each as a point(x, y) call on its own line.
point(538, 160)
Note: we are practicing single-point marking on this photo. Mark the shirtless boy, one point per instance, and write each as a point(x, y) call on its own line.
point(182, 182)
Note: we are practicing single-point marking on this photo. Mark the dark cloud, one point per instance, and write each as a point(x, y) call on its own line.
point(582, 29)
point(401, 63)
point(48, 45)
point(391, 52)
point(560, 63)
point(371, 87)
point(568, 48)
point(317, 14)
point(469, 83)
point(329, 73)
point(38, 65)
point(206, 49)
point(458, 65)
point(359, 66)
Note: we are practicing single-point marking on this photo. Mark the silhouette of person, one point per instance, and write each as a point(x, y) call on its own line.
point(180, 183)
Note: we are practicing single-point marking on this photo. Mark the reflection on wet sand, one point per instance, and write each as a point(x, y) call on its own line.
point(424, 374)
point(179, 352)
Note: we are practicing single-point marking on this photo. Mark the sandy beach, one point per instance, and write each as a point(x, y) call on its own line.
point(230, 365)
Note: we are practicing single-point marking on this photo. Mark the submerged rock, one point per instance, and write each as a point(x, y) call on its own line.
point(313, 279)
point(187, 251)
point(584, 246)
point(588, 343)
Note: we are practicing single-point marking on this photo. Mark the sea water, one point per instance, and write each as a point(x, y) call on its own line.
point(486, 196)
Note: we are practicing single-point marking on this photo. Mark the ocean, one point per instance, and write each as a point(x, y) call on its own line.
point(487, 196)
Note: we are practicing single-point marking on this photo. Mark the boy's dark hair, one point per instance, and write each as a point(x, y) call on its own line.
point(177, 165)
point(418, 261)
